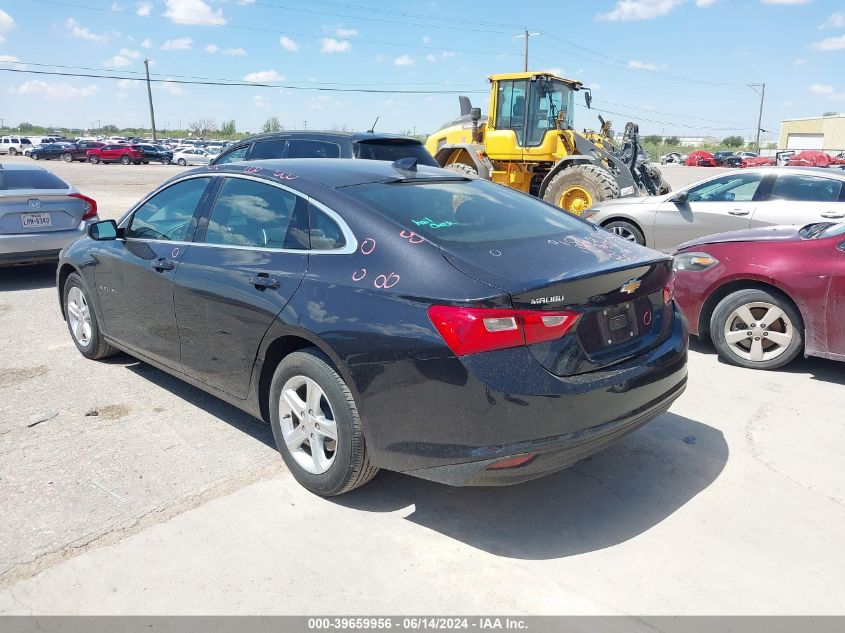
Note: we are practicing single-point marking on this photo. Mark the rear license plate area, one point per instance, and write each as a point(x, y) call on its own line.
point(36, 219)
point(618, 324)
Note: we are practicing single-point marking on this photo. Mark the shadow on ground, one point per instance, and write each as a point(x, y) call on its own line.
point(28, 277)
point(602, 501)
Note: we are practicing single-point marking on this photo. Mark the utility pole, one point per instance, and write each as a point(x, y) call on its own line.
point(305, 125)
point(762, 94)
point(150, 96)
point(526, 35)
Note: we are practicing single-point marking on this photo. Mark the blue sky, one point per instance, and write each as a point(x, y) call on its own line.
point(676, 66)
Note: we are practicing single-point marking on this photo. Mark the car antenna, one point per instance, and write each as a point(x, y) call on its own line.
point(409, 163)
point(372, 127)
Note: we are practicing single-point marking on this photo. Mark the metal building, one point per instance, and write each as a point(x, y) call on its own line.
point(825, 133)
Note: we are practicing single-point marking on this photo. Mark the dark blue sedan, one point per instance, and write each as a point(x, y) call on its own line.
point(47, 151)
point(384, 315)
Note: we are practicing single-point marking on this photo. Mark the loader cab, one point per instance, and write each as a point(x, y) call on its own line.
point(530, 105)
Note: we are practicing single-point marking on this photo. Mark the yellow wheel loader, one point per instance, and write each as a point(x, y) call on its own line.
point(528, 143)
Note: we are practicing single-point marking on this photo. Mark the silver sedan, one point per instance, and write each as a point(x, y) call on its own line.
point(729, 201)
point(40, 214)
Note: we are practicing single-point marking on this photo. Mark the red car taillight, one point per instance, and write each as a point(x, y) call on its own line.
point(90, 205)
point(473, 330)
point(669, 289)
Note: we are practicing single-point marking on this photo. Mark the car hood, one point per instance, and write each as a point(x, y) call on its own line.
point(786, 233)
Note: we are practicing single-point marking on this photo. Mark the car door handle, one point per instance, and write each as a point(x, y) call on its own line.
point(263, 281)
point(833, 214)
point(738, 212)
point(162, 264)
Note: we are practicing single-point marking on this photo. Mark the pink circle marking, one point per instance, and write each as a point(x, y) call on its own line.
point(358, 275)
point(368, 245)
point(386, 281)
point(412, 237)
point(175, 252)
point(647, 317)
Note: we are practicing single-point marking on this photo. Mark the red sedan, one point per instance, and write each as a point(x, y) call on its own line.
point(700, 158)
point(115, 153)
point(765, 295)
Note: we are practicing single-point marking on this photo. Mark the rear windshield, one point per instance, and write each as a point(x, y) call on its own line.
point(466, 212)
point(29, 179)
point(389, 149)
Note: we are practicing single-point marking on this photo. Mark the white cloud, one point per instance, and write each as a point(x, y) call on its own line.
point(430, 58)
point(331, 45)
point(263, 76)
point(53, 91)
point(246, 2)
point(125, 83)
point(11, 60)
point(638, 10)
point(129, 53)
point(170, 87)
point(144, 9)
point(835, 21)
point(343, 33)
point(193, 12)
point(77, 30)
point(448, 54)
point(403, 60)
point(147, 43)
point(785, 1)
point(703, 4)
point(7, 23)
point(645, 65)
point(212, 48)
point(178, 44)
point(234, 52)
point(831, 44)
point(118, 61)
point(288, 44)
point(260, 101)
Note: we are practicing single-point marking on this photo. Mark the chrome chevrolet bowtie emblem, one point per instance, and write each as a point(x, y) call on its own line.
point(630, 287)
point(35, 204)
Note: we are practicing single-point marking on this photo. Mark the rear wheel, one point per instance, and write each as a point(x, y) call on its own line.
point(626, 230)
point(660, 183)
point(578, 187)
point(166, 161)
point(93, 159)
point(316, 425)
point(82, 321)
point(757, 329)
point(125, 160)
point(463, 169)
point(67, 157)
point(34, 156)
point(182, 162)
point(13, 151)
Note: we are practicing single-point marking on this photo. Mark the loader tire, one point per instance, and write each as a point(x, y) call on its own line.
point(660, 183)
point(465, 170)
point(578, 187)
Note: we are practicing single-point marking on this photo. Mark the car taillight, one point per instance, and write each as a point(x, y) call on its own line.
point(669, 289)
point(474, 330)
point(90, 205)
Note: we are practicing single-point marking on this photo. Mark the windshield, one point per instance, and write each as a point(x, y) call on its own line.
point(466, 212)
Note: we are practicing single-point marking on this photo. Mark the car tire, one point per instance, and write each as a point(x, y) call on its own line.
point(307, 377)
point(93, 159)
point(34, 156)
point(125, 160)
point(465, 170)
point(67, 157)
point(578, 187)
point(729, 329)
point(13, 151)
point(82, 321)
point(182, 162)
point(166, 161)
point(626, 230)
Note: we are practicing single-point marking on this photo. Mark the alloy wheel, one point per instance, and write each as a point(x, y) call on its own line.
point(79, 316)
point(624, 233)
point(758, 331)
point(308, 424)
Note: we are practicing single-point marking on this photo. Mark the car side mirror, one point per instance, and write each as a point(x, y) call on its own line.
point(102, 231)
point(680, 198)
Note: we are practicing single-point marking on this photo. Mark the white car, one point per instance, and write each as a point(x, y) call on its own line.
point(191, 156)
point(14, 145)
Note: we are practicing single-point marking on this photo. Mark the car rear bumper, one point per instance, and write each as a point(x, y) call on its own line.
point(448, 420)
point(19, 248)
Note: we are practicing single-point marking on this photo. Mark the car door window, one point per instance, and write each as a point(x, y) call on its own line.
point(304, 148)
point(805, 188)
point(167, 215)
point(733, 188)
point(324, 233)
point(262, 150)
point(251, 213)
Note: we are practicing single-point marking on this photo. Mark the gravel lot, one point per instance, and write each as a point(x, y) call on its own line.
point(126, 491)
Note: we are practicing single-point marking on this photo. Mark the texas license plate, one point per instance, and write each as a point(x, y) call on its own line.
point(36, 219)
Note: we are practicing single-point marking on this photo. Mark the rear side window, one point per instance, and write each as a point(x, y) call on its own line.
point(466, 211)
point(393, 150)
point(29, 179)
point(234, 156)
point(167, 215)
point(250, 213)
point(304, 148)
point(807, 188)
point(262, 150)
point(324, 233)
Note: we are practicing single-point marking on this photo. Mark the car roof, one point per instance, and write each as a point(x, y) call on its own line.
point(353, 137)
point(331, 172)
point(20, 167)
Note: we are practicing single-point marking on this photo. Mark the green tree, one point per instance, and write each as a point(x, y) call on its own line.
point(653, 139)
point(673, 141)
point(733, 141)
point(272, 125)
point(830, 114)
point(228, 128)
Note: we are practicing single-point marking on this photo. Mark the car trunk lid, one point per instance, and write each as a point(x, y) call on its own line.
point(38, 212)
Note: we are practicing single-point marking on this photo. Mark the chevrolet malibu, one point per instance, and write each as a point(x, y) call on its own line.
point(385, 315)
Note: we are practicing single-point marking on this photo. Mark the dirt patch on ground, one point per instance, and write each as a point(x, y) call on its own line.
point(21, 374)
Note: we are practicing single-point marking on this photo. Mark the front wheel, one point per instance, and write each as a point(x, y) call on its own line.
point(316, 425)
point(166, 161)
point(93, 159)
point(579, 186)
point(182, 162)
point(757, 329)
point(82, 321)
point(68, 158)
point(34, 156)
point(626, 230)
